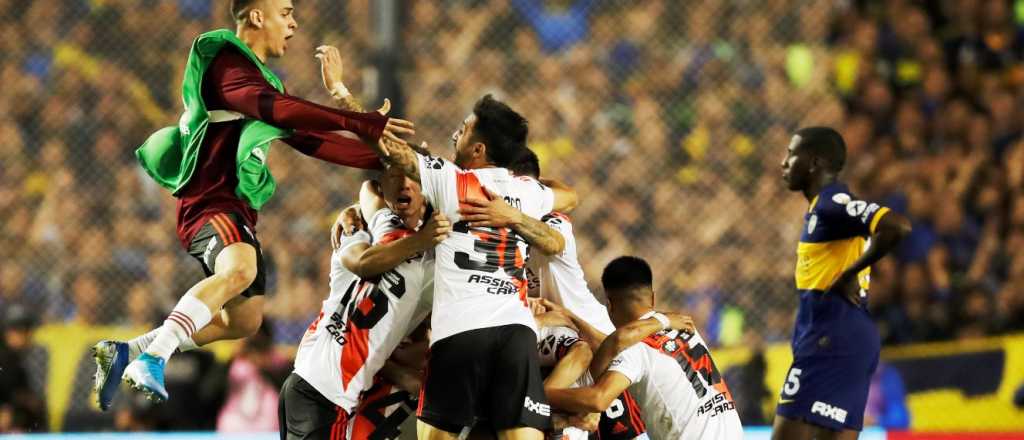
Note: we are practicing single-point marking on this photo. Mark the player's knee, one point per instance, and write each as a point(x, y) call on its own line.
point(238, 277)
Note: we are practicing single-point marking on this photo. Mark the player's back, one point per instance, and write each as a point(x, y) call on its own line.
point(679, 389)
point(362, 321)
point(480, 278)
point(559, 278)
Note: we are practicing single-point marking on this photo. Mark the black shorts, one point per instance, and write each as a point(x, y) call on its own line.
point(489, 376)
point(303, 413)
point(621, 421)
point(220, 231)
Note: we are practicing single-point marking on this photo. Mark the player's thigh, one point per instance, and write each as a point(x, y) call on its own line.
point(515, 396)
point(426, 431)
point(457, 369)
point(244, 314)
point(524, 433)
point(237, 262)
point(305, 414)
point(789, 429)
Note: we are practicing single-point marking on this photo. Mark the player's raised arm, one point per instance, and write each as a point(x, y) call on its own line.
point(239, 86)
point(397, 153)
point(495, 212)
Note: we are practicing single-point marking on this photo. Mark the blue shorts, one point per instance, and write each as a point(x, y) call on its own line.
point(835, 353)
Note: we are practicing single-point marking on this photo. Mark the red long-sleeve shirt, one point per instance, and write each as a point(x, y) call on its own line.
point(232, 82)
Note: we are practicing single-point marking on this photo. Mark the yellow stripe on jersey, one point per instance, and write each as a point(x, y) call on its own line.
point(878, 216)
point(819, 264)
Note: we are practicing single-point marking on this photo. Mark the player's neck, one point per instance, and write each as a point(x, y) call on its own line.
point(254, 42)
point(817, 184)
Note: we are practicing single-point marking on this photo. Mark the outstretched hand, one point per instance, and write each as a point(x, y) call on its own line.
point(331, 67)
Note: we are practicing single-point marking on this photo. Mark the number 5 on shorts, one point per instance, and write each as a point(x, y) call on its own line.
point(792, 382)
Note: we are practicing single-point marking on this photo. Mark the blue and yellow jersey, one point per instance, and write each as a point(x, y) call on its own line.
point(836, 230)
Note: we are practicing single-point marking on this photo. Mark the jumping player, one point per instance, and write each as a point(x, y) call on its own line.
point(215, 163)
point(483, 358)
point(660, 358)
point(379, 294)
point(835, 343)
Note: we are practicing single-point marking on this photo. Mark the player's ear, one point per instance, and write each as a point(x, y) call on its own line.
point(480, 151)
point(256, 18)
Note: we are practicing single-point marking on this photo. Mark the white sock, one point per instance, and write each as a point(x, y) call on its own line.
point(187, 344)
point(138, 345)
point(187, 317)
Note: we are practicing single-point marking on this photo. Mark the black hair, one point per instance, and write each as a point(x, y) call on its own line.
point(625, 273)
point(240, 8)
point(501, 129)
point(527, 165)
point(826, 143)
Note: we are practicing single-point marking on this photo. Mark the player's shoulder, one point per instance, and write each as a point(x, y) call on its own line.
point(436, 163)
point(835, 198)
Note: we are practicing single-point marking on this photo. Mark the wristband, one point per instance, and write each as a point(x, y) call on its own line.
point(653, 314)
point(339, 91)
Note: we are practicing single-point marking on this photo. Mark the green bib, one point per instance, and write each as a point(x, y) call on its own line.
point(169, 155)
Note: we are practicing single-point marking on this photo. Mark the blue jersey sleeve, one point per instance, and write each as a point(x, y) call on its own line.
point(846, 216)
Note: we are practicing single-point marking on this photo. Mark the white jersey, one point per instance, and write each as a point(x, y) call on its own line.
point(479, 277)
point(559, 278)
point(680, 391)
point(362, 321)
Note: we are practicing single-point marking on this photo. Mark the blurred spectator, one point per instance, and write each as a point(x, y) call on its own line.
point(254, 377)
point(887, 400)
point(670, 121)
point(22, 408)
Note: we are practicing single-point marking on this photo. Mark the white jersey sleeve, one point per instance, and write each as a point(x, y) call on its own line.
point(382, 223)
point(630, 363)
point(438, 180)
point(553, 343)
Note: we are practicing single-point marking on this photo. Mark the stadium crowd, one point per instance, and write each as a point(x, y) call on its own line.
point(670, 122)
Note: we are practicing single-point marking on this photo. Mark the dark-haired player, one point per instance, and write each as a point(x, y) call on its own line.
point(483, 364)
point(215, 162)
point(662, 361)
point(835, 343)
point(559, 278)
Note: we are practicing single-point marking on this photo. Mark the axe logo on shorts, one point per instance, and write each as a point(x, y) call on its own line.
point(537, 407)
point(833, 412)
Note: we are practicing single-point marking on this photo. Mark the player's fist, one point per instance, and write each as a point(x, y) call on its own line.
point(435, 231)
point(348, 222)
point(679, 321)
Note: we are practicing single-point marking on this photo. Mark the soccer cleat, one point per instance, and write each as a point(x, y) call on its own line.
point(146, 374)
point(111, 359)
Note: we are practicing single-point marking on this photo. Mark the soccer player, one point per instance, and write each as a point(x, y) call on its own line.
point(215, 163)
point(483, 356)
point(559, 278)
point(660, 358)
point(379, 294)
point(835, 343)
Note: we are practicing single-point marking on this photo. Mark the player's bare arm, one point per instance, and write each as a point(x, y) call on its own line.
point(632, 333)
point(371, 198)
point(593, 399)
point(405, 377)
point(368, 261)
point(570, 367)
point(397, 153)
point(495, 212)
point(331, 70)
point(892, 228)
point(587, 332)
point(565, 197)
